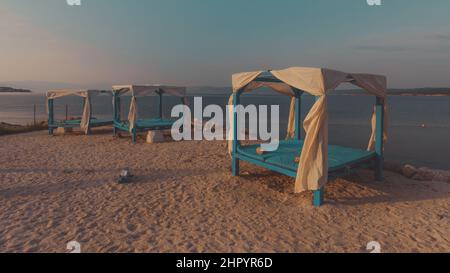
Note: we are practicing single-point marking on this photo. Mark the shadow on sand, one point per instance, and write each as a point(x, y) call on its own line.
point(348, 190)
point(73, 181)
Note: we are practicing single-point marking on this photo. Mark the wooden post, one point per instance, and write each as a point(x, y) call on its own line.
point(34, 115)
point(235, 162)
point(50, 116)
point(160, 107)
point(379, 147)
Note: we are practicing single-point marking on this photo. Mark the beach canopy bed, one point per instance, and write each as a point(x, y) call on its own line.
point(135, 125)
point(311, 161)
point(87, 121)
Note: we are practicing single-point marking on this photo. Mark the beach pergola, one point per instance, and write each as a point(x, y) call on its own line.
point(87, 122)
point(311, 161)
point(134, 125)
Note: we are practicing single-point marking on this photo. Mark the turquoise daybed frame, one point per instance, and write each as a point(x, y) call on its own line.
point(285, 160)
point(90, 121)
point(134, 125)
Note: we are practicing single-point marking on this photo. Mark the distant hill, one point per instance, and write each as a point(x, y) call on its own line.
point(264, 91)
point(431, 91)
point(421, 92)
point(13, 90)
point(208, 90)
point(42, 87)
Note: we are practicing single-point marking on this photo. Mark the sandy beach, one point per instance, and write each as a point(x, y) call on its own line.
point(183, 199)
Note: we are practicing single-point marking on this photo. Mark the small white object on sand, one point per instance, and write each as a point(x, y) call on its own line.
point(63, 130)
point(155, 137)
point(409, 171)
point(125, 176)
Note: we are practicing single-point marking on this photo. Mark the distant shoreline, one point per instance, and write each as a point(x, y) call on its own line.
point(13, 90)
point(398, 94)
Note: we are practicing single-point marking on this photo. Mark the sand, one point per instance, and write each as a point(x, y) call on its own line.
point(183, 199)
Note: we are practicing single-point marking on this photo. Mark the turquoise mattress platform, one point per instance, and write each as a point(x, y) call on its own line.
point(284, 159)
point(152, 124)
point(76, 123)
point(143, 125)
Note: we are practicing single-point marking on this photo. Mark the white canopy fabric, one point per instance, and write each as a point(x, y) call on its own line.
point(87, 94)
point(313, 166)
point(138, 91)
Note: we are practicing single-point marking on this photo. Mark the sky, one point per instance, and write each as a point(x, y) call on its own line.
point(203, 42)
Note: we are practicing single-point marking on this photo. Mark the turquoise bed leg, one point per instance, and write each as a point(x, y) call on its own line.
point(318, 197)
point(379, 149)
point(50, 116)
point(235, 166)
point(298, 116)
point(116, 112)
point(134, 136)
point(160, 105)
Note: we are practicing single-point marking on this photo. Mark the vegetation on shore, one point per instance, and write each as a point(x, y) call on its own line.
point(402, 92)
point(13, 90)
point(8, 129)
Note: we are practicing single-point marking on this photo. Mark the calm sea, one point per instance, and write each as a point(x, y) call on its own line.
point(410, 142)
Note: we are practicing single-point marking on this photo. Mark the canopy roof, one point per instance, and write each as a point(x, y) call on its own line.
point(316, 81)
point(149, 90)
point(53, 94)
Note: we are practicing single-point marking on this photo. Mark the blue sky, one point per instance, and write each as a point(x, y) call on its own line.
point(202, 42)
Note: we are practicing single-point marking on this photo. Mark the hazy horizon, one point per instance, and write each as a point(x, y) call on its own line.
point(42, 86)
point(191, 43)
